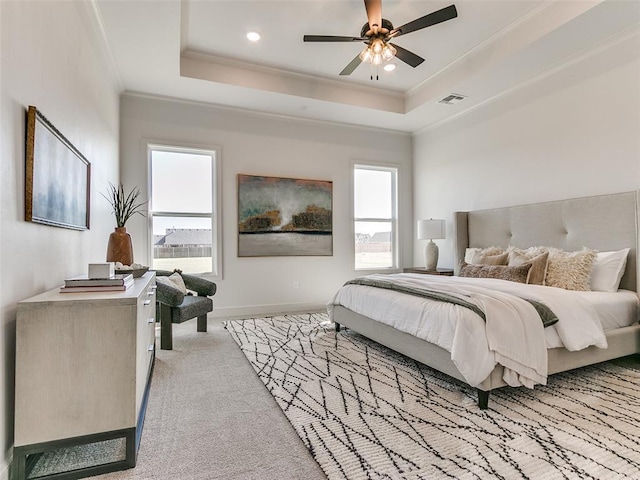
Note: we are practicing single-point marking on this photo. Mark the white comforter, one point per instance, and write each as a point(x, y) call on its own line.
point(513, 335)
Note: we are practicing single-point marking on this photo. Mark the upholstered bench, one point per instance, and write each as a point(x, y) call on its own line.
point(176, 304)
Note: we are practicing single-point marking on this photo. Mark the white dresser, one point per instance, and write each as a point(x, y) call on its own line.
point(83, 370)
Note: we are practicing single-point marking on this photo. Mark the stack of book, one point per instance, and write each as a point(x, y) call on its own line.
point(82, 283)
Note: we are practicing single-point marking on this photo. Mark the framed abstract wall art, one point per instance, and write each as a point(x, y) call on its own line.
point(284, 216)
point(57, 177)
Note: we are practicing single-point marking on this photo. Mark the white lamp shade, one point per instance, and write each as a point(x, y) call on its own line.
point(430, 229)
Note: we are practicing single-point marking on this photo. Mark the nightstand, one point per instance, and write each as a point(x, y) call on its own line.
point(440, 271)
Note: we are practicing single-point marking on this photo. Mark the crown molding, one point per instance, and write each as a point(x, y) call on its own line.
point(91, 12)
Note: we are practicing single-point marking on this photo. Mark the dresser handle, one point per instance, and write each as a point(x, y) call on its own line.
point(151, 320)
point(153, 287)
point(147, 302)
point(151, 293)
point(151, 347)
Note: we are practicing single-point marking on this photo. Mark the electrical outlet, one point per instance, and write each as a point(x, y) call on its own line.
point(295, 285)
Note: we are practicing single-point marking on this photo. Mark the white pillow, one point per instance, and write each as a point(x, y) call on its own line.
point(479, 255)
point(173, 280)
point(608, 269)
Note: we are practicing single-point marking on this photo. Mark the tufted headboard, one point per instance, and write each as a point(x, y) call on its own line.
point(604, 222)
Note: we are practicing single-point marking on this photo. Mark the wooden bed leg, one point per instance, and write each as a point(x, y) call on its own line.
point(483, 399)
point(337, 327)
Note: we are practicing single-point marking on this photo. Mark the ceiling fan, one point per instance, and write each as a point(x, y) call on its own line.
point(378, 32)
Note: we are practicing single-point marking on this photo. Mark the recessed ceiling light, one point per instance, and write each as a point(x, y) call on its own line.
point(253, 36)
point(389, 67)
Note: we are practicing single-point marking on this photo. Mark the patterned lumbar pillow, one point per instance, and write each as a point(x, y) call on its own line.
point(502, 272)
point(570, 270)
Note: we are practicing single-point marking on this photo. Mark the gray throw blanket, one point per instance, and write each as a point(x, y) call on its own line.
point(547, 316)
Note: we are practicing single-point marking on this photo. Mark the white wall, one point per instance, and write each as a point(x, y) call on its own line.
point(49, 58)
point(571, 134)
point(258, 144)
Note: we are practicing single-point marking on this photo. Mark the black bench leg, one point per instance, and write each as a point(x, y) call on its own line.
point(166, 328)
point(483, 399)
point(337, 327)
point(202, 323)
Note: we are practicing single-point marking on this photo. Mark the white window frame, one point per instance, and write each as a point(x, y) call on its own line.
point(395, 236)
point(216, 220)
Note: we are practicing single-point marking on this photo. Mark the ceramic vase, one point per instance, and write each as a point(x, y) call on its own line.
point(120, 247)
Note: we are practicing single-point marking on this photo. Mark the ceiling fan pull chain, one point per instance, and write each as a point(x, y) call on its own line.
point(371, 68)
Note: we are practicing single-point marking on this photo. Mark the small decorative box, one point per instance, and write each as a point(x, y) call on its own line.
point(102, 270)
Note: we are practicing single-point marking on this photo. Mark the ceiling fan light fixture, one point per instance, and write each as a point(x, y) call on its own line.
point(366, 55)
point(388, 52)
point(377, 45)
point(377, 52)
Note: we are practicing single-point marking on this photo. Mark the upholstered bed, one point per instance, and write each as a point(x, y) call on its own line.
point(602, 223)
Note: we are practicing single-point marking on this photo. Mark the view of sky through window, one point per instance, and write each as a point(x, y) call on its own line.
point(374, 204)
point(181, 209)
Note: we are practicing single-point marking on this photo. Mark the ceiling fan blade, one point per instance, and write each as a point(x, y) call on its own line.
point(348, 70)
point(374, 13)
point(407, 57)
point(332, 38)
point(434, 18)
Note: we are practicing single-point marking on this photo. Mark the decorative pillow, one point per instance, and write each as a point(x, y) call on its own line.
point(174, 280)
point(538, 269)
point(529, 252)
point(570, 270)
point(503, 272)
point(492, 259)
point(608, 269)
point(486, 256)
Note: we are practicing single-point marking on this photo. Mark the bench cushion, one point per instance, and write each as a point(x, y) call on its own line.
point(192, 306)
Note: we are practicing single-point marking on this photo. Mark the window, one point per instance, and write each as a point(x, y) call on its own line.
point(182, 210)
point(375, 217)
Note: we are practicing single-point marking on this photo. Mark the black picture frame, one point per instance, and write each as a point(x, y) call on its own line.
point(57, 177)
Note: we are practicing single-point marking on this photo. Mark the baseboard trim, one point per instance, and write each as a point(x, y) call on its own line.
point(5, 466)
point(254, 310)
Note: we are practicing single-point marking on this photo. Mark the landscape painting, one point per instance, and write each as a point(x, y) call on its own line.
point(284, 216)
point(57, 177)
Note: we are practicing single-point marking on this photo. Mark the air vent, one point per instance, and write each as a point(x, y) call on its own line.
point(452, 99)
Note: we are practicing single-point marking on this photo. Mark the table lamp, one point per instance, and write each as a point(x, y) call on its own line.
point(430, 229)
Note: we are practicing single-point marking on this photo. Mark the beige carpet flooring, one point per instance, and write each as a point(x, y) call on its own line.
point(210, 417)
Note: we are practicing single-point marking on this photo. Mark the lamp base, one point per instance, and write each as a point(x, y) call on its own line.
point(431, 256)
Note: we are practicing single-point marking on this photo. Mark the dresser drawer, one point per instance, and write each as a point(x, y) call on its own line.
point(146, 332)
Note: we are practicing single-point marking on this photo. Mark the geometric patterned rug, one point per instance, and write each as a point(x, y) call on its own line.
point(367, 412)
